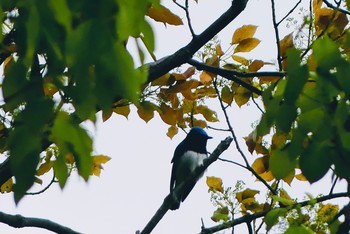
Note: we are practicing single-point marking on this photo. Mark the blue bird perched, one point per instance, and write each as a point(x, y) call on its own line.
point(188, 155)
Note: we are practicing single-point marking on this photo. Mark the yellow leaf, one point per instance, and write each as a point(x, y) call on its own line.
point(7, 186)
point(189, 95)
point(205, 77)
point(208, 114)
point(247, 193)
point(145, 111)
point(8, 61)
point(45, 167)
point(256, 65)
point(251, 204)
point(100, 159)
point(164, 80)
point(300, 177)
point(172, 131)
point(218, 50)
point(164, 15)
point(285, 44)
point(250, 141)
point(247, 45)
point(215, 184)
point(242, 33)
point(278, 140)
point(241, 96)
point(267, 176)
point(240, 60)
point(38, 180)
point(69, 158)
point(289, 178)
point(189, 72)
point(49, 88)
point(182, 85)
point(261, 165)
point(268, 79)
point(122, 110)
point(199, 123)
point(97, 161)
point(207, 91)
point(168, 115)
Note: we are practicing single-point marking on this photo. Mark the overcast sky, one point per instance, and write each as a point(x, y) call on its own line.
point(135, 182)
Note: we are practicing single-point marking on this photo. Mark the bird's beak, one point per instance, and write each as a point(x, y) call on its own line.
point(209, 137)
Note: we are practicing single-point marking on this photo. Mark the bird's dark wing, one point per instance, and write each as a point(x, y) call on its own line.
point(179, 151)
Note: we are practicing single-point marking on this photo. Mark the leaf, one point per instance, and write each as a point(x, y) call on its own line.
point(298, 230)
point(208, 114)
point(172, 131)
point(240, 60)
point(164, 80)
point(71, 138)
point(301, 177)
point(271, 218)
point(146, 111)
point(97, 161)
point(7, 186)
point(316, 160)
point(162, 14)
point(247, 193)
point(285, 44)
point(256, 65)
point(268, 79)
point(242, 33)
point(199, 123)
point(241, 96)
point(220, 214)
point(44, 168)
point(281, 165)
point(218, 50)
point(168, 115)
point(261, 165)
point(215, 184)
point(278, 140)
point(226, 95)
point(205, 78)
point(250, 141)
point(247, 45)
point(122, 110)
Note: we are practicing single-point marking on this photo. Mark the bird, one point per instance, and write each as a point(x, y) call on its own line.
point(188, 155)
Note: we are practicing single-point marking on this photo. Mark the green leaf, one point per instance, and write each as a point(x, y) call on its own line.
point(220, 214)
point(326, 53)
point(316, 160)
point(24, 159)
point(297, 76)
point(71, 138)
point(271, 218)
point(298, 230)
point(286, 116)
point(61, 170)
point(281, 165)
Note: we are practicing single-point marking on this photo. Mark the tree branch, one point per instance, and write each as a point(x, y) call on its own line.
point(19, 221)
point(164, 65)
point(170, 199)
point(251, 217)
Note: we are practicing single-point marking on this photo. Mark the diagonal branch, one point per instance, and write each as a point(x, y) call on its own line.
point(170, 199)
point(164, 65)
point(19, 221)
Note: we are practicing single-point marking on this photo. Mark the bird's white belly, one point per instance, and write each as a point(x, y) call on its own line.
point(191, 160)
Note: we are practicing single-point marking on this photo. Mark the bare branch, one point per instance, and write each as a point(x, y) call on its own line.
point(170, 199)
point(330, 5)
point(19, 221)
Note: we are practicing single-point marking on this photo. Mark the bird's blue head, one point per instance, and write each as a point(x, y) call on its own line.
point(199, 133)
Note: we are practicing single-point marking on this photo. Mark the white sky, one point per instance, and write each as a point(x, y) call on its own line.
point(135, 182)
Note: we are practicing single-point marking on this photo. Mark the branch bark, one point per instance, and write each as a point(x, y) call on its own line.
point(170, 199)
point(19, 221)
point(182, 56)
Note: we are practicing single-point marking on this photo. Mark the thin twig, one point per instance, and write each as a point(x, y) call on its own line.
point(248, 167)
point(44, 189)
point(275, 26)
point(289, 13)
point(330, 5)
